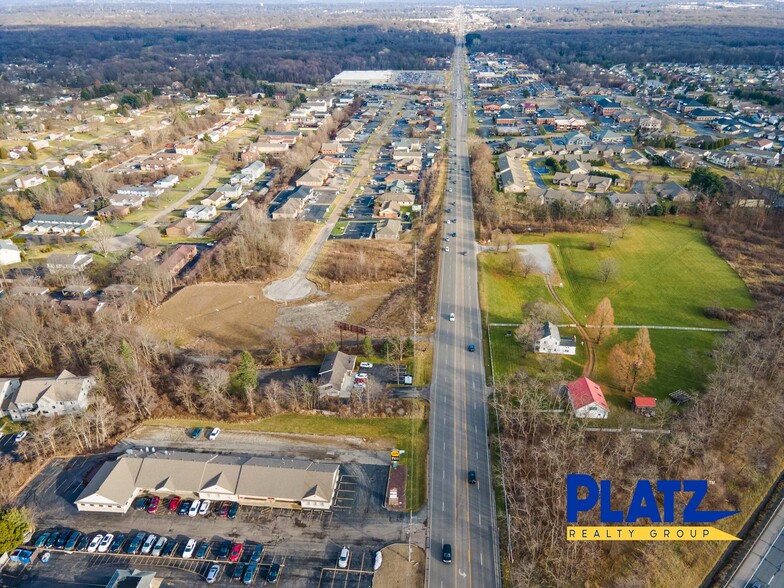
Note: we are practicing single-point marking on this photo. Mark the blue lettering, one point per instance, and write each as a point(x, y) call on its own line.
point(690, 512)
point(643, 504)
point(608, 514)
point(575, 504)
point(668, 488)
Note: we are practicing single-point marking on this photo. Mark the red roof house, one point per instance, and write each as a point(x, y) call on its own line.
point(644, 405)
point(587, 399)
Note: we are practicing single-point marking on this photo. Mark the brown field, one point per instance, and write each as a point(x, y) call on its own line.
point(396, 571)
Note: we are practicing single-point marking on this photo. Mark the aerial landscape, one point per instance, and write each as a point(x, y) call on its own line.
point(392, 294)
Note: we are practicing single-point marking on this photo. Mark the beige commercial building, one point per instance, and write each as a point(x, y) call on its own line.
point(255, 481)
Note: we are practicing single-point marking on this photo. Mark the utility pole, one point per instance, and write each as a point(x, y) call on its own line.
point(411, 410)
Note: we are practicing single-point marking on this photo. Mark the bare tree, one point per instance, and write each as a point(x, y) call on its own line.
point(622, 220)
point(528, 265)
point(214, 383)
point(612, 236)
point(101, 182)
point(608, 270)
point(101, 237)
point(150, 237)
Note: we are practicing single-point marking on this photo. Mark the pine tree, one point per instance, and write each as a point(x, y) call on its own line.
point(246, 376)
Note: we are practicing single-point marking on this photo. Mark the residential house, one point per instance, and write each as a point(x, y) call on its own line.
point(576, 200)
point(635, 158)
point(239, 203)
point(605, 106)
point(145, 191)
point(178, 259)
point(336, 375)
point(186, 148)
point(229, 191)
point(390, 209)
point(129, 201)
point(49, 396)
point(389, 229)
point(25, 182)
point(673, 191)
point(345, 135)
point(317, 174)
point(113, 212)
point(576, 138)
point(649, 123)
point(48, 169)
point(551, 341)
point(726, 159)
point(168, 182)
point(60, 224)
point(569, 124)
point(160, 161)
point(9, 252)
point(608, 136)
point(586, 399)
point(512, 174)
point(68, 262)
point(182, 228)
point(332, 148)
point(630, 200)
point(759, 156)
point(216, 199)
point(678, 159)
point(201, 212)
point(293, 205)
point(71, 160)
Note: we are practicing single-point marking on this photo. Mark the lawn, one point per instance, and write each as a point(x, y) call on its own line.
point(667, 275)
point(508, 356)
point(397, 431)
point(502, 293)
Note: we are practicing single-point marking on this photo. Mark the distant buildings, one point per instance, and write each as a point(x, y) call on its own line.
point(48, 396)
point(9, 252)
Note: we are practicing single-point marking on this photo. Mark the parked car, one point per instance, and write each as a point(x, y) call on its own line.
point(223, 511)
point(255, 556)
point(190, 548)
point(45, 556)
point(194, 509)
point(446, 553)
point(169, 548)
point(62, 539)
point(149, 543)
point(274, 572)
point(250, 574)
point(174, 502)
point(238, 572)
point(49, 543)
point(117, 543)
point(155, 502)
point(233, 509)
point(223, 549)
point(159, 544)
point(185, 507)
point(41, 540)
point(73, 539)
point(83, 542)
point(212, 573)
point(94, 543)
point(19, 436)
point(204, 548)
point(135, 545)
point(196, 433)
point(141, 503)
point(236, 552)
point(214, 434)
point(365, 365)
point(105, 543)
point(343, 558)
point(204, 507)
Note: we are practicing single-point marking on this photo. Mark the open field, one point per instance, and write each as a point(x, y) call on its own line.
point(397, 572)
point(409, 434)
point(501, 293)
point(508, 356)
point(667, 275)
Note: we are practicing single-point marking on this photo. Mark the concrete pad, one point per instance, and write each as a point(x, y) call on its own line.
point(293, 288)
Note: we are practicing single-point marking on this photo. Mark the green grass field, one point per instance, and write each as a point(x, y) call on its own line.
point(667, 275)
point(396, 431)
point(508, 356)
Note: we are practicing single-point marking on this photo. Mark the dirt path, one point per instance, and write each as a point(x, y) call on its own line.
point(590, 363)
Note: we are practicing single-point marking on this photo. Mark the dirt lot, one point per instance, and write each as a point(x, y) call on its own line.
point(397, 572)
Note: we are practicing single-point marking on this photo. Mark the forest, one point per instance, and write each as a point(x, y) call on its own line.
point(205, 59)
point(607, 46)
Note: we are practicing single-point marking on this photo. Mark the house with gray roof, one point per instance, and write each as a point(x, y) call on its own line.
point(47, 396)
point(336, 375)
point(551, 341)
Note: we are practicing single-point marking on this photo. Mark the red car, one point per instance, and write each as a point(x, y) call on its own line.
point(174, 502)
point(236, 552)
point(154, 504)
point(223, 511)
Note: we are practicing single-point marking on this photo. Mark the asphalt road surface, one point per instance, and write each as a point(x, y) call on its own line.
point(460, 514)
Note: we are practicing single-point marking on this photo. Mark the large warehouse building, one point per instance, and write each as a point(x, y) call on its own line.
point(257, 481)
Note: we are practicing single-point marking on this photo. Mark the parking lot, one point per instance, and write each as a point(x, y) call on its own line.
point(305, 543)
point(357, 230)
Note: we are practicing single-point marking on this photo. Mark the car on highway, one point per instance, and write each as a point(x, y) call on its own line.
point(194, 509)
point(117, 543)
point(214, 434)
point(365, 365)
point(452, 317)
point(343, 558)
point(236, 552)
point(174, 503)
point(196, 433)
point(446, 249)
point(471, 348)
point(149, 543)
point(212, 574)
point(159, 545)
point(94, 543)
point(105, 543)
point(454, 234)
point(204, 548)
point(155, 502)
point(190, 549)
point(274, 572)
point(185, 506)
point(204, 507)
point(446, 553)
point(450, 189)
point(19, 436)
point(446, 238)
point(471, 477)
point(233, 509)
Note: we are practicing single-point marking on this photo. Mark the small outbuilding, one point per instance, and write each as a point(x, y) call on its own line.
point(645, 405)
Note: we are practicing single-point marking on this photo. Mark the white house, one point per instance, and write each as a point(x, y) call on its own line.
point(29, 182)
point(9, 252)
point(168, 182)
point(49, 396)
point(552, 342)
point(586, 399)
point(49, 168)
point(255, 170)
point(201, 213)
point(60, 224)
